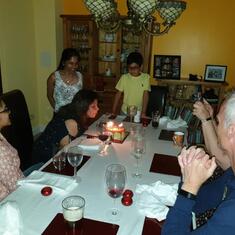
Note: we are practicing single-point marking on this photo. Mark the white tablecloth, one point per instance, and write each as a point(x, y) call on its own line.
point(38, 211)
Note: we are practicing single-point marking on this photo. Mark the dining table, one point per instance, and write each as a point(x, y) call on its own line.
point(41, 214)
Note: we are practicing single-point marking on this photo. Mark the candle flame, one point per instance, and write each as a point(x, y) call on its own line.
point(109, 124)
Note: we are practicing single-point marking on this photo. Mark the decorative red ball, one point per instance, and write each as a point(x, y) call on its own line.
point(46, 191)
point(128, 193)
point(127, 201)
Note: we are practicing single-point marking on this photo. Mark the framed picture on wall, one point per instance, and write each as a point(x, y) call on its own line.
point(215, 73)
point(167, 67)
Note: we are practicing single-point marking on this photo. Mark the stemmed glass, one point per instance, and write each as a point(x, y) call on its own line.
point(138, 150)
point(105, 137)
point(115, 177)
point(75, 157)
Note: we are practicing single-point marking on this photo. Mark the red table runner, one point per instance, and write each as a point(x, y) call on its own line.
point(165, 164)
point(59, 226)
point(166, 135)
point(68, 170)
point(152, 226)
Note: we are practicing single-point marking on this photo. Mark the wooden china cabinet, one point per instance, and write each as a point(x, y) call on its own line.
point(103, 55)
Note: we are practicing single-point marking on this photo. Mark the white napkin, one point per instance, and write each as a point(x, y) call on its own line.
point(174, 124)
point(163, 120)
point(90, 144)
point(59, 183)
point(10, 222)
point(154, 199)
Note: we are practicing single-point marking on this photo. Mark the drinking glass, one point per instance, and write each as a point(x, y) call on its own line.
point(59, 161)
point(75, 157)
point(138, 150)
point(131, 112)
point(115, 177)
point(155, 118)
point(73, 209)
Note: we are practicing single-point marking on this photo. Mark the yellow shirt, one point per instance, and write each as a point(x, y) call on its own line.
point(133, 89)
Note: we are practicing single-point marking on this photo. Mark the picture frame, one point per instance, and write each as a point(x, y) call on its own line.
point(167, 67)
point(215, 73)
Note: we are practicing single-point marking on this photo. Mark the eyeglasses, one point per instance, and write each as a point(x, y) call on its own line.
point(5, 110)
point(134, 67)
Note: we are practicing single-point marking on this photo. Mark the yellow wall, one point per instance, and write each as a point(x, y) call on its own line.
point(46, 51)
point(30, 47)
point(204, 34)
point(17, 50)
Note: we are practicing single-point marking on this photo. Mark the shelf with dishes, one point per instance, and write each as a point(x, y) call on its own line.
point(114, 42)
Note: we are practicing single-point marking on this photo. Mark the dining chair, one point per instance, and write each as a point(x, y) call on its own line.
point(157, 99)
point(19, 134)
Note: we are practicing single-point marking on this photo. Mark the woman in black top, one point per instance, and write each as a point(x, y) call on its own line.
point(70, 122)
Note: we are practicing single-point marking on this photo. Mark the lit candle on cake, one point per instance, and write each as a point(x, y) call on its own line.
point(118, 131)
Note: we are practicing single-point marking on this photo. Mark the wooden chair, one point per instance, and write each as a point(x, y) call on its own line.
point(157, 99)
point(19, 134)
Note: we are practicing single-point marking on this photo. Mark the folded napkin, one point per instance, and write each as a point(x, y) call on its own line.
point(174, 124)
point(163, 120)
point(10, 222)
point(61, 184)
point(90, 144)
point(154, 199)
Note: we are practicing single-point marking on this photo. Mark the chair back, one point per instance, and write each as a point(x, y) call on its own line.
point(157, 99)
point(19, 134)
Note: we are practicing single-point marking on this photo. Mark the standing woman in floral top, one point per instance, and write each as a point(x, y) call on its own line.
point(9, 160)
point(66, 81)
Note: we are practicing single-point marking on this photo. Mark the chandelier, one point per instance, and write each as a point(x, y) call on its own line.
point(141, 16)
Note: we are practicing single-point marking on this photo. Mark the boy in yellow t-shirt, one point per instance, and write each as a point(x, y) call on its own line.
point(135, 86)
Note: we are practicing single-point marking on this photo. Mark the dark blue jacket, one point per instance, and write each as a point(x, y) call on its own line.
point(210, 195)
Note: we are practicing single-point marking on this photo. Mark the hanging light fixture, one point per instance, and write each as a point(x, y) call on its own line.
point(142, 15)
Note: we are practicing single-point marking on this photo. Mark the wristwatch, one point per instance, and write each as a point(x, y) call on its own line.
point(187, 194)
point(207, 119)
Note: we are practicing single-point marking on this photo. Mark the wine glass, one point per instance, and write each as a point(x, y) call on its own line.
point(138, 150)
point(115, 177)
point(75, 157)
point(105, 137)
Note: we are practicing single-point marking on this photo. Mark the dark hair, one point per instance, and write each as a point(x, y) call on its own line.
point(79, 106)
point(134, 57)
point(67, 54)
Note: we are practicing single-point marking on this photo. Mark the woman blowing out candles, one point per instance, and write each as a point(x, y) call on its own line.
point(9, 160)
point(70, 122)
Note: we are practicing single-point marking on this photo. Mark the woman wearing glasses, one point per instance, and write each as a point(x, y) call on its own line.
point(9, 160)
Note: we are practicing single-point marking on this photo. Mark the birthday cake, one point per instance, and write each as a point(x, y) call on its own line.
point(117, 130)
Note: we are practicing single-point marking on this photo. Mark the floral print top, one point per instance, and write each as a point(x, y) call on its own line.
point(9, 168)
point(63, 92)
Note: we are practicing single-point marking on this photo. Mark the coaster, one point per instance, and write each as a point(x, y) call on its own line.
point(165, 164)
point(68, 170)
point(59, 226)
point(151, 225)
point(166, 135)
